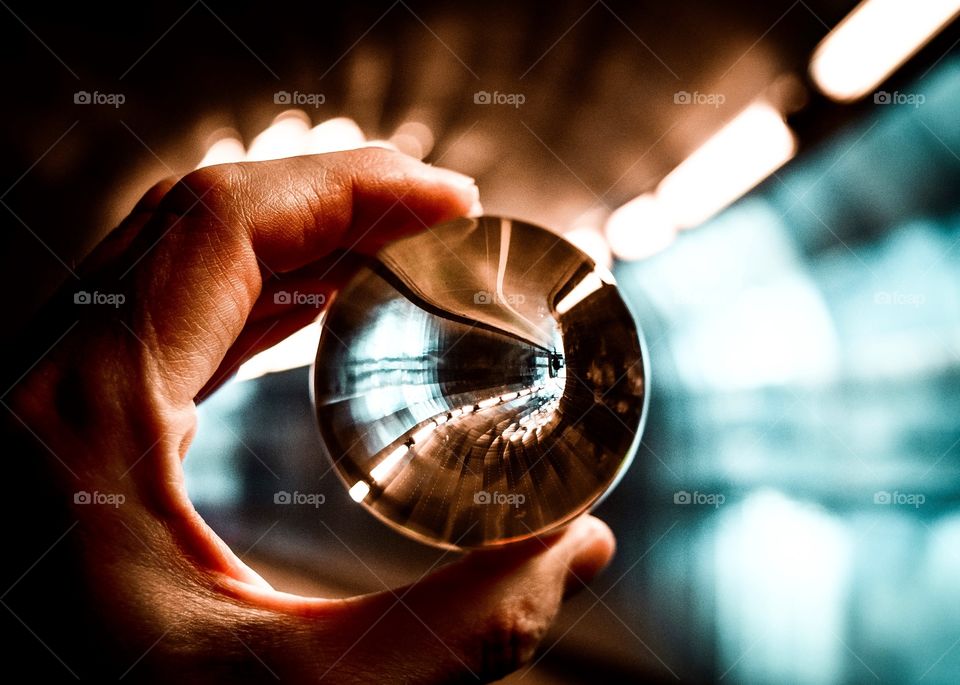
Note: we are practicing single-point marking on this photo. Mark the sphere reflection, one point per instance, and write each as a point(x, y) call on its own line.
point(479, 383)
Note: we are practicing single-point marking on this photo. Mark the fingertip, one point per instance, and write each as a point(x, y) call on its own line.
point(601, 530)
point(411, 174)
point(464, 188)
point(476, 209)
point(401, 196)
point(594, 548)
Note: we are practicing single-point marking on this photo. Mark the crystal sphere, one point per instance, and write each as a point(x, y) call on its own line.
point(480, 383)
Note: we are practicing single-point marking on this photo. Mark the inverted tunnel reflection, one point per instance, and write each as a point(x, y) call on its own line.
point(484, 395)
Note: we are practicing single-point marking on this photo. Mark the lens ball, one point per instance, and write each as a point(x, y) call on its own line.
point(480, 383)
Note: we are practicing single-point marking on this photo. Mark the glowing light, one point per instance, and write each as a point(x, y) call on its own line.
point(873, 41)
point(590, 284)
point(285, 137)
point(333, 135)
point(488, 403)
point(385, 467)
point(295, 351)
point(509, 396)
point(640, 228)
point(225, 147)
point(591, 241)
point(796, 343)
point(782, 570)
point(386, 144)
point(744, 152)
point(359, 490)
point(413, 138)
point(424, 432)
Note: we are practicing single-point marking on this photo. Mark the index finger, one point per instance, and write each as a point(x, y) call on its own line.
point(221, 228)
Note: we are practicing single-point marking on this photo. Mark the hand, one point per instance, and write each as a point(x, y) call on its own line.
point(145, 589)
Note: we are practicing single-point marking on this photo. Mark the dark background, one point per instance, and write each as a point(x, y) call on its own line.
point(598, 124)
point(805, 344)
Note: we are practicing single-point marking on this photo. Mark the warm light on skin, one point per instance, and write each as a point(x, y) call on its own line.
point(385, 144)
point(735, 159)
point(288, 135)
point(590, 284)
point(873, 41)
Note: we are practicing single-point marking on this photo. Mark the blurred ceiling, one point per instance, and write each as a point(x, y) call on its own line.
point(599, 121)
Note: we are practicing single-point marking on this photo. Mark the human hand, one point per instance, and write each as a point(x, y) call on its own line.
point(145, 590)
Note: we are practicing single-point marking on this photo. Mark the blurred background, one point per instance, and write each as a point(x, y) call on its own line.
point(774, 185)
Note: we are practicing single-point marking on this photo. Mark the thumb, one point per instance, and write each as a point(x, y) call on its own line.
point(196, 269)
point(475, 620)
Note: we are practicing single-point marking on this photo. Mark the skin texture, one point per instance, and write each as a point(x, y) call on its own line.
point(145, 590)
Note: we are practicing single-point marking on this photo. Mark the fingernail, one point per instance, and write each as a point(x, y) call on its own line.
point(465, 186)
point(456, 179)
point(476, 209)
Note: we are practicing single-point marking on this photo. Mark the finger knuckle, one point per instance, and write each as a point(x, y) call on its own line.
point(373, 157)
point(509, 640)
point(210, 189)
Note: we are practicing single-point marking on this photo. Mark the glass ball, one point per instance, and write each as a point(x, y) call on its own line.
point(479, 383)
